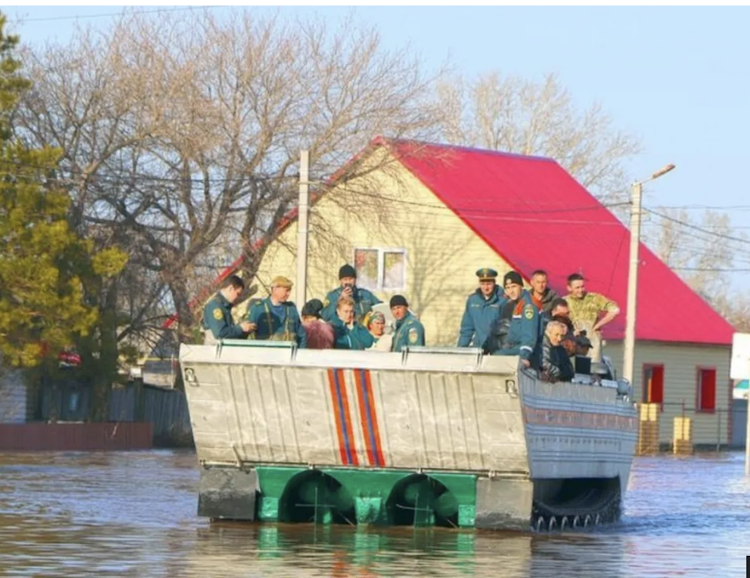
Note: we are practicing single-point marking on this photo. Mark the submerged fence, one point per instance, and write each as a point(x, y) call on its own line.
point(681, 428)
point(166, 409)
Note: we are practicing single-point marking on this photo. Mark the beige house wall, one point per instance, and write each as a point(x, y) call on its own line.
point(390, 208)
point(681, 362)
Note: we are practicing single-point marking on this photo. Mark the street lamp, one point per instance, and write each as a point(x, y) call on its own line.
point(636, 191)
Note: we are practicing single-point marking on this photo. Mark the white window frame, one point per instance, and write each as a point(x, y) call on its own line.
point(381, 265)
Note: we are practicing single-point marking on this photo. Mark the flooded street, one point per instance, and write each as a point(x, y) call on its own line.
point(133, 514)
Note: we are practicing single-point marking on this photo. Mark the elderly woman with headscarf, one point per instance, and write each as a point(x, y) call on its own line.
point(320, 335)
point(374, 321)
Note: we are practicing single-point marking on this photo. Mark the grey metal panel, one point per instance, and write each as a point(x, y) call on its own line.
point(589, 431)
point(122, 404)
point(13, 397)
point(447, 410)
point(275, 405)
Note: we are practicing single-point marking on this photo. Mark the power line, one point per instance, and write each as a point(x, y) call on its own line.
point(589, 207)
point(127, 179)
point(108, 14)
point(697, 228)
point(711, 269)
point(707, 207)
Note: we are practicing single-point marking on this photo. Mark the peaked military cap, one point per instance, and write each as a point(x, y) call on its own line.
point(486, 274)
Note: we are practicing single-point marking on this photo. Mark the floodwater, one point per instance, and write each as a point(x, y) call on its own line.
point(133, 514)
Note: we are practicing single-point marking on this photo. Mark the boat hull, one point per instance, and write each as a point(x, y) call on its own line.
point(444, 437)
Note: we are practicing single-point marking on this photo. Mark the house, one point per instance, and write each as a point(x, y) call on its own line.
point(422, 218)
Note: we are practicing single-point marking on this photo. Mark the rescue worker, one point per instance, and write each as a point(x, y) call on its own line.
point(585, 309)
point(217, 314)
point(516, 331)
point(348, 333)
point(541, 294)
point(409, 330)
point(364, 300)
point(482, 309)
point(275, 318)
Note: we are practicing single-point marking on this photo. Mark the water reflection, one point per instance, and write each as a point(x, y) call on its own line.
point(133, 514)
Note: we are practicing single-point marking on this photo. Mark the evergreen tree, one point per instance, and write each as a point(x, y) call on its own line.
point(45, 267)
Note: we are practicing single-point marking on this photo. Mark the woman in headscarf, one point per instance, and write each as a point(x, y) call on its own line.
point(374, 321)
point(320, 335)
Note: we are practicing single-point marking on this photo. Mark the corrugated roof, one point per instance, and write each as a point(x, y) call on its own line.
point(535, 215)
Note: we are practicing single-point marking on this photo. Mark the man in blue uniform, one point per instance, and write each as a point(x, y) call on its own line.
point(516, 331)
point(409, 331)
point(364, 300)
point(275, 318)
point(217, 314)
point(482, 309)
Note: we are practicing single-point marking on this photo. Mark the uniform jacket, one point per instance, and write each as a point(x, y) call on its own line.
point(355, 338)
point(523, 332)
point(269, 323)
point(479, 315)
point(409, 333)
point(364, 301)
point(217, 317)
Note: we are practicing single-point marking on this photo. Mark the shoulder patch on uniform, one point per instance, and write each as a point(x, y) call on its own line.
point(413, 335)
point(218, 314)
point(327, 302)
point(528, 312)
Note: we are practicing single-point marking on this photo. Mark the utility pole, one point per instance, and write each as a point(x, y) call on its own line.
point(636, 193)
point(303, 221)
point(636, 196)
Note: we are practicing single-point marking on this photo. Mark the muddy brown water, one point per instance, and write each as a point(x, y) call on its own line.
point(134, 514)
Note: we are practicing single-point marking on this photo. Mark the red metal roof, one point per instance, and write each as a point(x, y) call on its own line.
point(536, 216)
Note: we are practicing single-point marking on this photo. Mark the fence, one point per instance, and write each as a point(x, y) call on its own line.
point(166, 409)
point(680, 428)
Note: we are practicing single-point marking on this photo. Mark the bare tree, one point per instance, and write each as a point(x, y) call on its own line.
point(518, 115)
point(695, 248)
point(181, 132)
point(703, 251)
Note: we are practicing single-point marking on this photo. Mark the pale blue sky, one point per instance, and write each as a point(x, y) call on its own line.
point(676, 77)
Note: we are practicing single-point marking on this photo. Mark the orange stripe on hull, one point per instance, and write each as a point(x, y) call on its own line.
point(347, 420)
point(373, 411)
point(337, 416)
